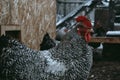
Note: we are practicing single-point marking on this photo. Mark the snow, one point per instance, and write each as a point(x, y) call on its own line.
point(100, 47)
point(117, 24)
point(105, 3)
point(113, 33)
point(88, 3)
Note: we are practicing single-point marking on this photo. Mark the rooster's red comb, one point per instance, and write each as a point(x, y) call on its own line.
point(84, 20)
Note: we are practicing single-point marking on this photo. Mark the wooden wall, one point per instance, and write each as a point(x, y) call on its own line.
point(33, 17)
point(101, 21)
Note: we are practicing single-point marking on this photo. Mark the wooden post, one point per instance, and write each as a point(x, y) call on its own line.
point(111, 14)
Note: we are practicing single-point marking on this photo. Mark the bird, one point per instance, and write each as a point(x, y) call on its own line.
point(47, 42)
point(60, 33)
point(71, 59)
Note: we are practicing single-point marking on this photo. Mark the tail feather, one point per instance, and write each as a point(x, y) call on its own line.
point(47, 42)
point(4, 40)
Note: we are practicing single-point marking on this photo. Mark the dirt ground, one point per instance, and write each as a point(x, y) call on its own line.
point(105, 68)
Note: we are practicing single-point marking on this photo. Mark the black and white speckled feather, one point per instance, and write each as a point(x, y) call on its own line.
point(69, 60)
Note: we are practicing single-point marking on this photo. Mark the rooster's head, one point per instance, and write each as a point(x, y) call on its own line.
point(84, 27)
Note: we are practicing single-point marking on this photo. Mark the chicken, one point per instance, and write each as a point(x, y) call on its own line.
point(71, 59)
point(60, 33)
point(47, 42)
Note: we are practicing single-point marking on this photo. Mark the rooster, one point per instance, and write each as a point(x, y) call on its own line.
point(71, 59)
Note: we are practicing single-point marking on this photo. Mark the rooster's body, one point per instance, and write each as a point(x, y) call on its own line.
point(71, 59)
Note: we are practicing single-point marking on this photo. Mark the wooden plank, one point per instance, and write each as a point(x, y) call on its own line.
point(9, 28)
point(105, 40)
point(70, 1)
